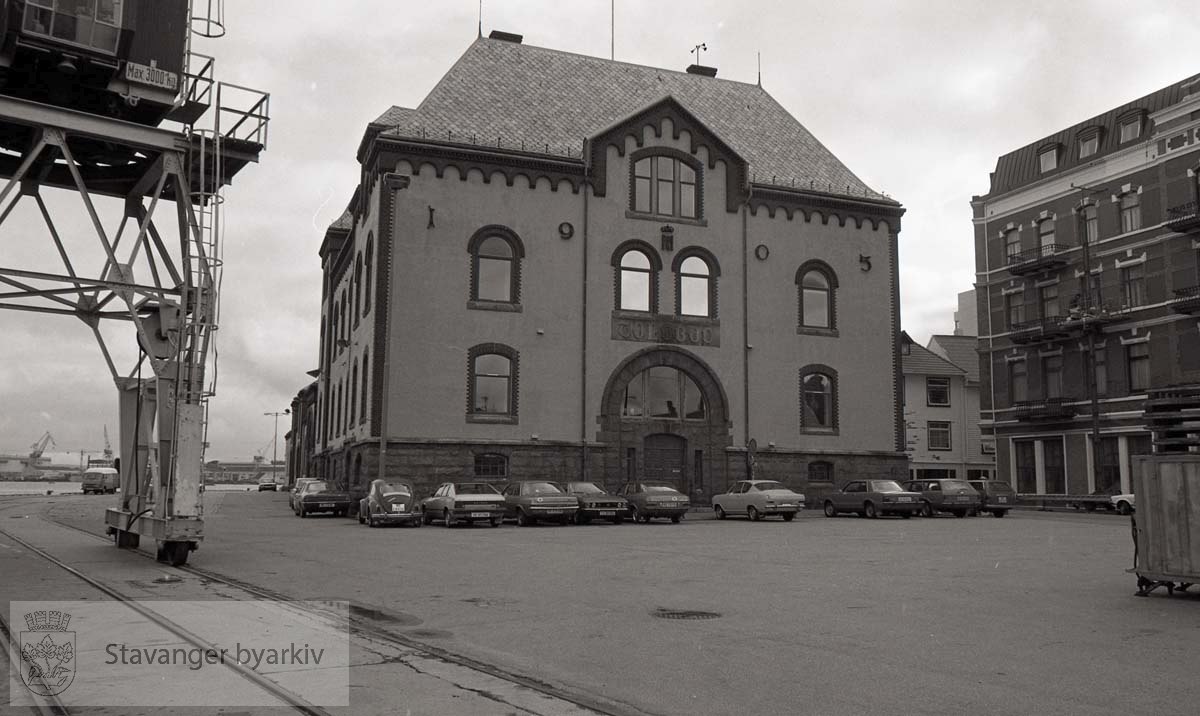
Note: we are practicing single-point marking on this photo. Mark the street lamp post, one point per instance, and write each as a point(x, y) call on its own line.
point(275, 440)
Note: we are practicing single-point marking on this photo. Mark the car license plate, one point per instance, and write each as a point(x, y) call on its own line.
point(397, 508)
point(480, 514)
point(904, 499)
point(326, 504)
point(1002, 500)
point(554, 512)
point(786, 504)
point(608, 513)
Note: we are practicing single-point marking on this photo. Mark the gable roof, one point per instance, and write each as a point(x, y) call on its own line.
point(962, 351)
point(922, 361)
point(539, 100)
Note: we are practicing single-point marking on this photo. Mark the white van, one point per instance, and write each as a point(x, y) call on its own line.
point(100, 480)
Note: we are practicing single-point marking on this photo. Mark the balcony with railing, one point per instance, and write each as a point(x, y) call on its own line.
point(1043, 258)
point(1041, 330)
point(1045, 409)
point(1187, 300)
point(1184, 218)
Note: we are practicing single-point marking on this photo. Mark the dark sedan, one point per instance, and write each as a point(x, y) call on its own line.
point(321, 496)
point(654, 499)
point(596, 503)
point(529, 501)
point(995, 496)
point(464, 503)
point(945, 495)
point(872, 498)
point(389, 502)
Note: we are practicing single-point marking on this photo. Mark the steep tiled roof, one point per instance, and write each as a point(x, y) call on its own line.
point(922, 361)
point(513, 95)
point(962, 351)
point(344, 222)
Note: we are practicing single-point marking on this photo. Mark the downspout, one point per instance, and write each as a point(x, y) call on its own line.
point(583, 329)
point(746, 315)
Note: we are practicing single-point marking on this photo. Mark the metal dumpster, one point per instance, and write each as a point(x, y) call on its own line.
point(1166, 525)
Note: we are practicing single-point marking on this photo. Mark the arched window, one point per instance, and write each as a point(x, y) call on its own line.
point(358, 274)
point(353, 393)
point(818, 399)
point(665, 184)
point(340, 405)
point(695, 283)
point(817, 287)
point(636, 266)
point(367, 272)
point(496, 254)
point(492, 383)
point(664, 393)
point(363, 408)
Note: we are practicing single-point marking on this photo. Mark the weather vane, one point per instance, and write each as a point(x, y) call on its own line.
point(697, 49)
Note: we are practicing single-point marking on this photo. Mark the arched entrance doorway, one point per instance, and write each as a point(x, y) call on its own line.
point(665, 416)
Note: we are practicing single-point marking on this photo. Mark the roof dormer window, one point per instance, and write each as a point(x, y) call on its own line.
point(1048, 159)
point(1089, 142)
point(1131, 128)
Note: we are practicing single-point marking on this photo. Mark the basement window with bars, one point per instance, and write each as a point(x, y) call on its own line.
point(491, 466)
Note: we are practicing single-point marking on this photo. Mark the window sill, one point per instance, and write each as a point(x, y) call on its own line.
point(663, 219)
point(492, 418)
point(938, 405)
point(494, 306)
point(818, 431)
point(809, 331)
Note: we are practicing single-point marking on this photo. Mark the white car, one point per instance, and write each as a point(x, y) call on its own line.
point(1123, 504)
point(757, 499)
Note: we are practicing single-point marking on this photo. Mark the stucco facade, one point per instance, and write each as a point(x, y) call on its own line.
point(637, 302)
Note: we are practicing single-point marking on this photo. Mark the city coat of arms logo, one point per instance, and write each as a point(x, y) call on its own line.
point(47, 653)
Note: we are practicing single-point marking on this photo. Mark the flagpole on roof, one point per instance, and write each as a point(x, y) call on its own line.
point(481, 18)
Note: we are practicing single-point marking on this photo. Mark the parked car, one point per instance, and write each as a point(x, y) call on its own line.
point(757, 499)
point(389, 502)
point(654, 499)
point(872, 498)
point(321, 496)
point(1125, 504)
point(945, 495)
point(100, 480)
point(596, 503)
point(469, 502)
point(995, 496)
point(300, 482)
point(528, 501)
point(267, 484)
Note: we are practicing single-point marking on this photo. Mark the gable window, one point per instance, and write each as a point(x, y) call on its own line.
point(818, 400)
point(1052, 377)
point(663, 392)
point(1131, 129)
point(1131, 212)
point(665, 186)
point(1137, 358)
point(637, 270)
point(938, 434)
point(695, 284)
point(1133, 285)
point(1048, 159)
point(937, 391)
point(817, 286)
point(1089, 145)
point(491, 466)
point(1018, 385)
point(496, 254)
point(491, 386)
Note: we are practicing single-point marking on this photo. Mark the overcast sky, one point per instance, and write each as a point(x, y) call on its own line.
point(918, 98)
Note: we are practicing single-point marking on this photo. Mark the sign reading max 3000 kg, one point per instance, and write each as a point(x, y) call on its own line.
point(144, 74)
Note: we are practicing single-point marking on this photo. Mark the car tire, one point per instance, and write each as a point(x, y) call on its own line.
point(1124, 508)
point(494, 521)
point(448, 518)
point(788, 516)
point(524, 520)
point(753, 513)
point(869, 510)
point(719, 511)
point(960, 513)
point(676, 519)
point(371, 521)
point(618, 520)
point(999, 513)
point(830, 510)
point(927, 509)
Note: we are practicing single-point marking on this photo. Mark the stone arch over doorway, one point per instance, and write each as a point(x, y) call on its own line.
point(685, 444)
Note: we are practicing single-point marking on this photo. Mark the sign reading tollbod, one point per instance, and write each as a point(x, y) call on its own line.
point(47, 653)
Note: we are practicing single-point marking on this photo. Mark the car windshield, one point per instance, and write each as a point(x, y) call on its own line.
point(541, 488)
point(584, 488)
point(389, 488)
point(650, 487)
point(475, 488)
point(955, 484)
point(317, 487)
point(886, 486)
point(768, 486)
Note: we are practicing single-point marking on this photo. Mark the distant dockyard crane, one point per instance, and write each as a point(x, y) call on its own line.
point(39, 446)
point(111, 107)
